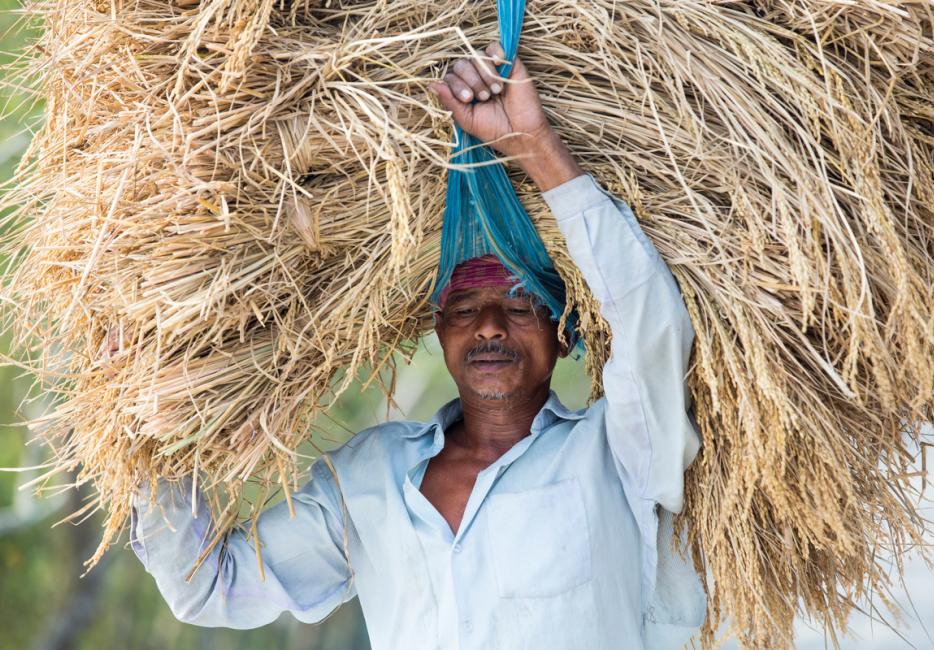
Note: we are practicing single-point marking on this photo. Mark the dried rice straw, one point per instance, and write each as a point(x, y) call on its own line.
point(233, 208)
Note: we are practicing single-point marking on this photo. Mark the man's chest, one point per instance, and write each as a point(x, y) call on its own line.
point(521, 552)
point(447, 485)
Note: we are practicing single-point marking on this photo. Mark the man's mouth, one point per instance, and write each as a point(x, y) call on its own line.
point(491, 365)
point(491, 357)
point(487, 363)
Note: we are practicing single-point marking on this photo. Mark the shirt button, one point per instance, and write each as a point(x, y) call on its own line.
point(457, 548)
point(468, 627)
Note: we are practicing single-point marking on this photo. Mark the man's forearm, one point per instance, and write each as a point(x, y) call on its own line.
point(549, 162)
point(304, 569)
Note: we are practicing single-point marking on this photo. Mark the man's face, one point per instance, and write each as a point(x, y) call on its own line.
point(497, 346)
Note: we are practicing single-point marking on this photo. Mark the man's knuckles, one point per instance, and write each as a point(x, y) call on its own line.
point(458, 86)
point(473, 78)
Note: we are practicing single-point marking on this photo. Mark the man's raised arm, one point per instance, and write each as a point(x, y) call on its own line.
point(304, 567)
point(647, 400)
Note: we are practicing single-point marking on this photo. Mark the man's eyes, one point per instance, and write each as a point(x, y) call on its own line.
point(462, 312)
point(519, 309)
point(522, 310)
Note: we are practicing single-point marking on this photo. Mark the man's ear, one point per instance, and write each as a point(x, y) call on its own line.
point(563, 349)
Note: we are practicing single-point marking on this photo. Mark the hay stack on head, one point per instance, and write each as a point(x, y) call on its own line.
point(237, 204)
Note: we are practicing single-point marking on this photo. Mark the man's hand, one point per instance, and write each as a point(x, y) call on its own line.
point(507, 115)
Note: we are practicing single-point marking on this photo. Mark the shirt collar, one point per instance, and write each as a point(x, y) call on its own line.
point(551, 411)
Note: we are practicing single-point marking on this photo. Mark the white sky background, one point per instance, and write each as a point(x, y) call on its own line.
point(867, 635)
point(915, 596)
point(425, 385)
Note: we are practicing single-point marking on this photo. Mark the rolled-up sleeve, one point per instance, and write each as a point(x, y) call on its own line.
point(647, 402)
point(304, 567)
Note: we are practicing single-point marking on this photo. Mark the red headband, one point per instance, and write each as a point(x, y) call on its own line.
point(486, 271)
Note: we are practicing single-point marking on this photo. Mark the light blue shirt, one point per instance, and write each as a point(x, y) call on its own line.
point(566, 539)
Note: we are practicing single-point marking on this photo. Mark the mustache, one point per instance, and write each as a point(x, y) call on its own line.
point(491, 347)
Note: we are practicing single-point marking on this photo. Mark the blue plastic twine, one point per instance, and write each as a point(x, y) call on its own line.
point(483, 214)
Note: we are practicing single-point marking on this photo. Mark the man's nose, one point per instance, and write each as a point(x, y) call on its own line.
point(491, 323)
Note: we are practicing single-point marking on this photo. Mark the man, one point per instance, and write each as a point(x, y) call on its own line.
point(507, 521)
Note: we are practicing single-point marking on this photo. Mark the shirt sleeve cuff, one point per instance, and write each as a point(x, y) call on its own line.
point(574, 197)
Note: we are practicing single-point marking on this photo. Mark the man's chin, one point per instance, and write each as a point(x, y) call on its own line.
point(492, 395)
point(493, 392)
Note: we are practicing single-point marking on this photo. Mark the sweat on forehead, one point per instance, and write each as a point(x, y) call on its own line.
point(477, 272)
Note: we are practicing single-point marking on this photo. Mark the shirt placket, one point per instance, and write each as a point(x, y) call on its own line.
point(455, 556)
point(467, 549)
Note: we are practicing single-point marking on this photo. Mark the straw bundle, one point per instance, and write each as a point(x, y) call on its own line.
point(233, 208)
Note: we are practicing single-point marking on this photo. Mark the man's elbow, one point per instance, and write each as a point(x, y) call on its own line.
point(192, 603)
point(198, 601)
point(209, 604)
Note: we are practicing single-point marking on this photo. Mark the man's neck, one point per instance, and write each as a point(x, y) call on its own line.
point(492, 427)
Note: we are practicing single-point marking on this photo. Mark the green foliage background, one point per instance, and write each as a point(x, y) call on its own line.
point(43, 601)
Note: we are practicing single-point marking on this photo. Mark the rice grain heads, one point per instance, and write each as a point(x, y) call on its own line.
point(232, 209)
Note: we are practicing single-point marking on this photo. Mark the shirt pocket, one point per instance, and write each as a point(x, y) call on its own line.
point(540, 540)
